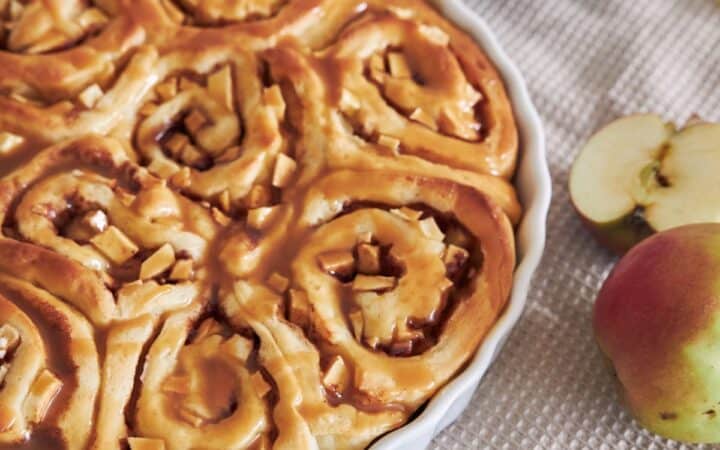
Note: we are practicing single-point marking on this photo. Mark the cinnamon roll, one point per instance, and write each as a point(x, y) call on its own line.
point(250, 224)
point(49, 368)
point(370, 307)
point(98, 68)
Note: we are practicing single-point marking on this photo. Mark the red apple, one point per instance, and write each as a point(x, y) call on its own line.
point(639, 175)
point(657, 319)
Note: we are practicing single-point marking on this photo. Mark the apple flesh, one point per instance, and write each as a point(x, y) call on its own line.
point(639, 175)
point(657, 319)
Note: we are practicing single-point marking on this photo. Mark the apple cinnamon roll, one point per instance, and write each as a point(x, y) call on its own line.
point(98, 70)
point(243, 224)
point(212, 128)
point(403, 78)
point(214, 131)
point(326, 140)
point(139, 244)
point(388, 275)
point(48, 368)
point(371, 304)
point(307, 414)
point(205, 383)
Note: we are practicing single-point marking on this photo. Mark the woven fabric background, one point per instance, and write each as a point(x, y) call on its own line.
point(585, 62)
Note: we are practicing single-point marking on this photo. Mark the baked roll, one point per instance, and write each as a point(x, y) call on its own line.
point(247, 224)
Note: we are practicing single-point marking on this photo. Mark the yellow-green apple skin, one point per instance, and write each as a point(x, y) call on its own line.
point(657, 319)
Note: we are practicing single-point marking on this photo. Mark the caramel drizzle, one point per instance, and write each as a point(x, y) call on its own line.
point(373, 267)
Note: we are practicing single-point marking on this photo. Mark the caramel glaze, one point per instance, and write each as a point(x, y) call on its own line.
point(55, 331)
point(216, 389)
point(461, 275)
point(56, 336)
point(252, 30)
point(331, 69)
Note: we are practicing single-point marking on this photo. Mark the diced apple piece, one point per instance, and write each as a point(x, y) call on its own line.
point(16, 9)
point(363, 283)
point(194, 412)
point(365, 237)
point(348, 101)
point(377, 62)
point(9, 339)
point(148, 109)
point(435, 35)
point(41, 395)
point(258, 218)
point(137, 443)
point(337, 375)
point(114, 244)
point(191, 156)
point(431, 229)
point(195, 120)
point(177, 142)
point(258, 196)
point(174, 13)
point(389, 142)
point(90, 95)
point(207, 328)
point(420, 115)
point(181, 178)
point(224, 201)
point(219, 217)
point(357, 322)
point(239, 347)
point(220, 86)
point(187, 84)
point(278, 283)
point(455, 258)
point(83, 228)
point(168, 89)
point(368, 259)
point(285, 168)
point(4, 368)
point(399, 67)
point(9, 142)
point(407, 213)
point(158, 262)
point(92, 18)
point(299, 308)
point(337, 262)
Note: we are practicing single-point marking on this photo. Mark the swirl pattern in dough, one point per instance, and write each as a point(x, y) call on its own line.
point(249, 224)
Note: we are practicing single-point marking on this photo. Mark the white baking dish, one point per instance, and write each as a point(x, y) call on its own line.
point(533, 183)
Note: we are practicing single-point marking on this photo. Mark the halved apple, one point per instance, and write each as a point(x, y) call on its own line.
point(639, 175)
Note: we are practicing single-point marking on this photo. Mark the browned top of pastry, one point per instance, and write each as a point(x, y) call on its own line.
point(243, 224)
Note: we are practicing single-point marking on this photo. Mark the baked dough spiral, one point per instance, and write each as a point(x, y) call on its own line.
point(49, 368)
point(71, 67)
point(420, 95)
point(124, 231)
point(382, 280)
point(261, 224)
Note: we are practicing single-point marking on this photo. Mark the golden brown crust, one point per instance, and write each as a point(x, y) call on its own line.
point(243, 224)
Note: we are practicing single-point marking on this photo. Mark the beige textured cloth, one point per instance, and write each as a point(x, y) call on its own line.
point(586, 62)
